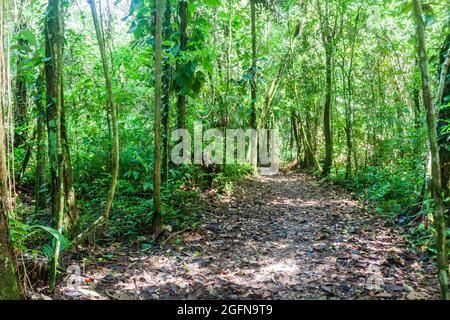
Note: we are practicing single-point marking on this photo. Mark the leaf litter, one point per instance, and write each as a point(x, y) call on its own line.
point(281, 237)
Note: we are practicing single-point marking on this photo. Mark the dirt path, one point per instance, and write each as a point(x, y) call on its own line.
point(282, 237)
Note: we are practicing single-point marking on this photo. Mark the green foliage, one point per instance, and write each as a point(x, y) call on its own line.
point(23, 234)
point(374, 87)
point(393, 188)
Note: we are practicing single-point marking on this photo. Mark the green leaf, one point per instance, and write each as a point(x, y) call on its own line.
point(53, 232)
point(28, 36)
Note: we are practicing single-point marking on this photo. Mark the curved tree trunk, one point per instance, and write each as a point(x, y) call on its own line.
point(112, 104)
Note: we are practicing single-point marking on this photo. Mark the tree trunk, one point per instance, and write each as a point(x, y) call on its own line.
point(254, 67)
point(309, 160)
point(294, 121)
point(444, 115)
point(167, 79)
point(54, 42)
point(50, 38)
point(348, 107)
point(253, 146)
point(9, 284)
point(157, 217)
point(71, 219)
point(27, 157)
point(21, 96)
point(181, 102)
point(55, 33)
point(41, 172)
point(436, 188)
point(112, 104)
point(327, 113)
point(225, 119)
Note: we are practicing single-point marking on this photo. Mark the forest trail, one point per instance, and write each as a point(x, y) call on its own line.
point(281, 237)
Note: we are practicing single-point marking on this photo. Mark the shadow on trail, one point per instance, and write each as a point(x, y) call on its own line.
point(281, 237)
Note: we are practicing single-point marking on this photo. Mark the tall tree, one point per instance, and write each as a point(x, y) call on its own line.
point(9, 284)
point(181, 102)
point(71, 219)
point(167, 77)
point(157, 217)
point(229, 32)
point(438, 212)
point(254, 71)
point(444, 115)
point(329, 25)
point(21, 93)
point(56, 126)
point(41, 172)
point(113, 110)
point(347, 78)
point(54, 78)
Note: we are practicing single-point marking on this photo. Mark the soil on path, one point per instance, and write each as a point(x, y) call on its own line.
point(281, 237)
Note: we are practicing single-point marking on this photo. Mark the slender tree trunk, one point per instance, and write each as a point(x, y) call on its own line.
point(348, 138)
point(348, 123)
point(55, 38)
point(294, 121)
point(9, 284)
point(167, 79)
point(56, 126)
point(444, 115)
point(254, 66)
point(329, 32)
point(21, 96)
point(348, 108)
point(113, 107)
point(253, 146)
point(327, 112)
point(50, 40)
point(110, 135)
point(27, 157)
point(436, 188)
point(157, 217)
point(181, 102)
point(417, 114)
point(309, 160)
point(41, 172)
point(291, 142)
point(229, 50)
point(71, 219)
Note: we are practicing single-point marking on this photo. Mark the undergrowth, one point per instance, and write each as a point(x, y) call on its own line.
point(395, 192)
